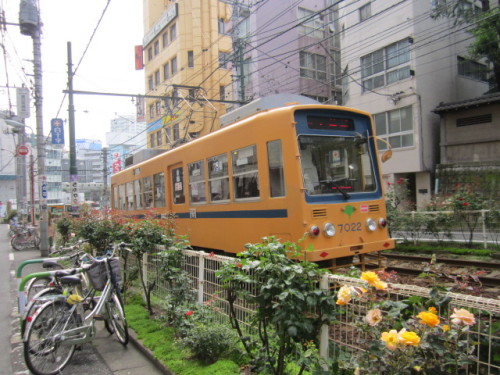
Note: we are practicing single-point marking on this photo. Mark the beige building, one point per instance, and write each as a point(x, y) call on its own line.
point(187, 73)
point(399, 64)
point(470, 145)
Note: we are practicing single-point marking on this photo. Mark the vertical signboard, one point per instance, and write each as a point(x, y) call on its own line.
point(23, 102)
point(57, 131)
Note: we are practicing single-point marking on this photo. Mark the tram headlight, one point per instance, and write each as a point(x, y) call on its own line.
point(382, 222)
point(314, 231)
point(329, 230)
point(371, 225)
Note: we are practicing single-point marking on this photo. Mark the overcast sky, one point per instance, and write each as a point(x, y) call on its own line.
point(108, 64)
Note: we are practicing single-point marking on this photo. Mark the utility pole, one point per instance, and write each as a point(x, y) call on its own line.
point(73, 172)
point(105, 195)
point(29, 20)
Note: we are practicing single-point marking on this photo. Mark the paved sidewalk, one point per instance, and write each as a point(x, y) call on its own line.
point(104, 356)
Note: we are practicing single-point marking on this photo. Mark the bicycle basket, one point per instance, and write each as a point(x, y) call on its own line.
point(98, 275)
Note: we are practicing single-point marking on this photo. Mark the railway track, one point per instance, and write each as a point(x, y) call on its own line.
point(488, 279)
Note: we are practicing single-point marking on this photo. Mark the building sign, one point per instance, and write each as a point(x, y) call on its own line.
point(139, 105)
point(117, 162)
point(139, 61)
point(165, 19)
point(57, 131)
point(23, 102)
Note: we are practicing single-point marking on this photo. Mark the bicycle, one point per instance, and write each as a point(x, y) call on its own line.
point(61, 323)
point(25, 238)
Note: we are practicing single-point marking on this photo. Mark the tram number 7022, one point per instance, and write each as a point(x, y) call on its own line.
point(350, 227)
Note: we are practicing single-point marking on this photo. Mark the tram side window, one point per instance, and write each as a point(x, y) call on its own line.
point(123, 201)
point(276, 176)
point(196, 172)
point(130, 195)
point(245, 173)
point(138, 194)
point(218, 178)
point(159, 189)
point(178, 185)
point(116, 198)
point(147, 184)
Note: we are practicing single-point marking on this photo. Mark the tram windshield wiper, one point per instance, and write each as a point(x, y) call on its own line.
point(345, 194)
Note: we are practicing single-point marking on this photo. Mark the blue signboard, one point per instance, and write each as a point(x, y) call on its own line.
point(57, 131)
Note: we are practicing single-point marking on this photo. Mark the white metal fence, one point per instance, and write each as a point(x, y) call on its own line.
point(435, 226)
point(202, 266)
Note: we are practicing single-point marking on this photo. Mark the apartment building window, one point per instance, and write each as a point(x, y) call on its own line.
point(472, 69)
point(222, 92)
point(156, 47)
point(190, 59)
point(158, 108)
point(335, 69)
point(365, 12)
point(312, 66)
point(166, 71)
point(173, 65)
point(386, 65)
point(173, 32)
point(157, 78)
point(310, 23)
point(176, 131)
point(395, 127)
point(152, 111)
point(164, 39)
point(152, 139)
point(223, 59)
point(150, 83)
point(158, 138)
point(150, 53)
point(222, 26)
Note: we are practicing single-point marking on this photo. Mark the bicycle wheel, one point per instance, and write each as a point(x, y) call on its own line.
point(18, 243)
point(36, 285)
point(35, 303)
point(116, 316)
point(45, 352)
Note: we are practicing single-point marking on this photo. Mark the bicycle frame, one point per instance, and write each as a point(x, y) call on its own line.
point(86, 332)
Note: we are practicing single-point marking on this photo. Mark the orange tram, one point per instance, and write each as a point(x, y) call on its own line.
point(296, 171)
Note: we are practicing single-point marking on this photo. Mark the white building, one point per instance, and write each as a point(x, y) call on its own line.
point(399, 64)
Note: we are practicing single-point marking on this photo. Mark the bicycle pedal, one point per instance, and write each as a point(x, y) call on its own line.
point(98, 317)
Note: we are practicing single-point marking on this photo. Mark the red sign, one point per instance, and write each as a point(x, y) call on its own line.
point(23, 150)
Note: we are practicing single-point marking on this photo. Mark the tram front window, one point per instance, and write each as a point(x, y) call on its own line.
point(336, 165)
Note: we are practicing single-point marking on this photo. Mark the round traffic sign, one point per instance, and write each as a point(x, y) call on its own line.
point(23, 150)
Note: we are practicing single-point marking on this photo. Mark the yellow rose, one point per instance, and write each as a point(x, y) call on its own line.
point(391, 339)
point(432, 310)
point(446, 328)
point(462, 316)
point(428, 318)
point(409, 338)
point(373, 317)
point(370, 277)
point(380, 285)
point(344, 295)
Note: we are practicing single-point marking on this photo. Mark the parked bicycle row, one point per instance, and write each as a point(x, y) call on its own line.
point(23, 236)
point(59, 307)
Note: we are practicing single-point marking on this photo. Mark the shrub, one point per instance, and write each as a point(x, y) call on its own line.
point(209, 342)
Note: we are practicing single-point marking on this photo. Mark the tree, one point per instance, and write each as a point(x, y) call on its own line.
point(485, 27)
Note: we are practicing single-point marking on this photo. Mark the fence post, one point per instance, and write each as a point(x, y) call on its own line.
point(483, 219)
point(413, 225)
point(324, 340)
point(201, 276)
